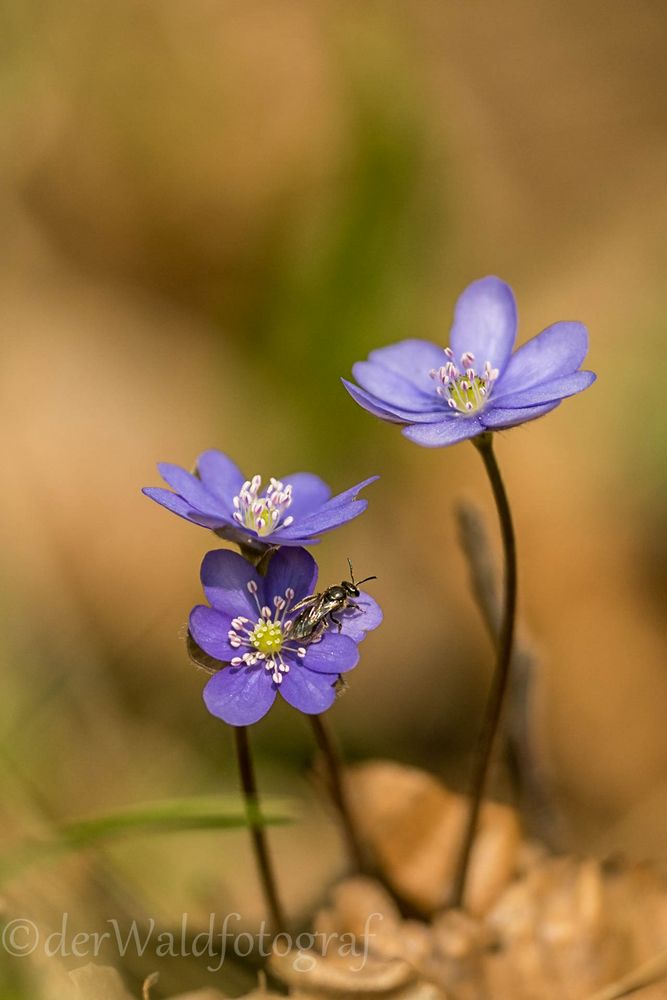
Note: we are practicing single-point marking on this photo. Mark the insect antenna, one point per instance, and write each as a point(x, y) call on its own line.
point(357, 582)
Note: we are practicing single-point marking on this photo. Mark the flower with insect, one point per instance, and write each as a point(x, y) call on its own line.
point(248, 629)
point(293, 510)
point(477, 384)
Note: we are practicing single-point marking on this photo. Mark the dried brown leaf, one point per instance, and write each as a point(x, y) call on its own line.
point(414, 826)
point(640, 982)
point(207, 994)
point(98, 982)
point(568, 927)
point(351, 975)
point(537, 927)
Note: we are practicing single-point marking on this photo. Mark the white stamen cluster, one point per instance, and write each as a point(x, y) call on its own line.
point(263, 514)
point(465, 390)
point(264, 640)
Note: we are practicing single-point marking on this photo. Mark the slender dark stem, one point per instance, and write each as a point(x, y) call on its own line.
point(258, 838)
point(327, 746)
point(499, 683)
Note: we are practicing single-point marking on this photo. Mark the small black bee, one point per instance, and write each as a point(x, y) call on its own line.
point(320, 609)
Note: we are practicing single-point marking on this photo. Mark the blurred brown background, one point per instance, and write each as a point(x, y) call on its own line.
point(209, 211)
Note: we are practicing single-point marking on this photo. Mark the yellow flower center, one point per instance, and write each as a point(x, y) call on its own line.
point(263, 513)
point(467, 394)
point(267, 637)
point(465, 391)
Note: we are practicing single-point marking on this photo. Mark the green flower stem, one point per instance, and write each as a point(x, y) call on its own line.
point(327, 746)
point(257, 835)
point(499, 683)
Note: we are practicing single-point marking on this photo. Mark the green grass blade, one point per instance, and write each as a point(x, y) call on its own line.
point(170, 816)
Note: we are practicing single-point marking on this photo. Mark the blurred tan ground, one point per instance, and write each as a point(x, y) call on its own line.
point(209, 212)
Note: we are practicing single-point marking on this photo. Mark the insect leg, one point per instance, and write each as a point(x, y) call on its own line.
point(319, 631)
point(334, 619)
point(357, 607)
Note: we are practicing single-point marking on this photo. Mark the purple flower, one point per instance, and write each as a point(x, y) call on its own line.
point(247, 629)
point(476, 384)
point(288, 512)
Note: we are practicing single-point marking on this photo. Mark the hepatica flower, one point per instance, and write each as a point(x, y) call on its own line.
point(289, 511)
point(476, 384)
point(247, 627)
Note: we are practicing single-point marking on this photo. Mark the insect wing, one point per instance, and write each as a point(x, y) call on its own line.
point(330, 602)
point(305, 623)
point(304, 602)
